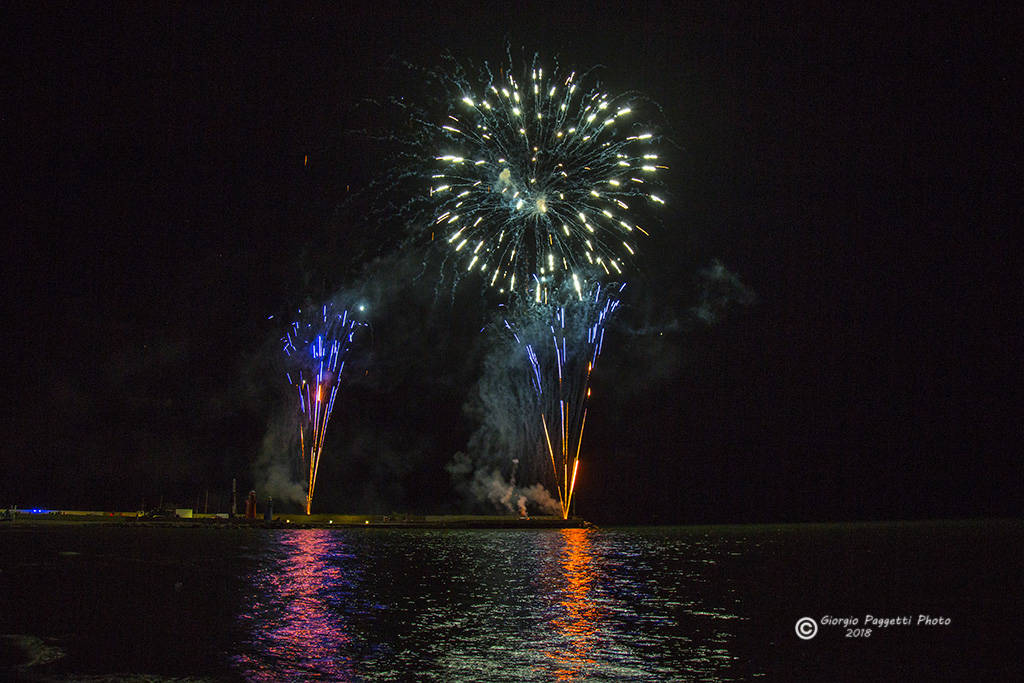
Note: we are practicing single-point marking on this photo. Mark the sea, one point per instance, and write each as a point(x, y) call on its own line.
point(804, 602)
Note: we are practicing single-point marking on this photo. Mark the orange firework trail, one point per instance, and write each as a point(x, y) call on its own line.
point(562, 343)
point(317, 349)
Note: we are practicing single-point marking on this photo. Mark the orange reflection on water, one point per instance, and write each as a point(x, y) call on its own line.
point(579, 618)
point(295, 630)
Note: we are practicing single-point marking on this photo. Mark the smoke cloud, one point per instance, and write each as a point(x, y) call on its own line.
point(507, 444)
point(521, 380)
point(484, 482)
point(275, 469)
point(720, 289)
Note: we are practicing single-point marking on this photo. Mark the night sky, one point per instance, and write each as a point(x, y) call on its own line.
point(179, 173)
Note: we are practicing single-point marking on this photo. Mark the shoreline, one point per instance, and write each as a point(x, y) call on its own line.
point(53, 518)
point(37, 519)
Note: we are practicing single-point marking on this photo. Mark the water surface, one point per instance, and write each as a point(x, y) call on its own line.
point(504, 605)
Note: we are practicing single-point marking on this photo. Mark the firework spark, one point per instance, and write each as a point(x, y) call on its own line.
point(538, 177)
point(316, 349)
point(562, 343)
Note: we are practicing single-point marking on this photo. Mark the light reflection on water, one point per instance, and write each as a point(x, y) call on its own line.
point(655, 604)
point(569, 605)
point(577, 625)
point(296, 626)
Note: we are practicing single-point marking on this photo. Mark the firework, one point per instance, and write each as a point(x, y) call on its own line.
point(539, 177)
point(561, 343)
point(316, 349)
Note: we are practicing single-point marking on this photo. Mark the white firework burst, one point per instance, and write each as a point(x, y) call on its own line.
point(537, 180)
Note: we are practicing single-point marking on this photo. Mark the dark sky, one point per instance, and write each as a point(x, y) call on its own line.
point(858, 171)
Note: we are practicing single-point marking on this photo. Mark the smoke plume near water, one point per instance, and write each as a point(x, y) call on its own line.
point(275, 470)
point(506, 464)
point(485, 483)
